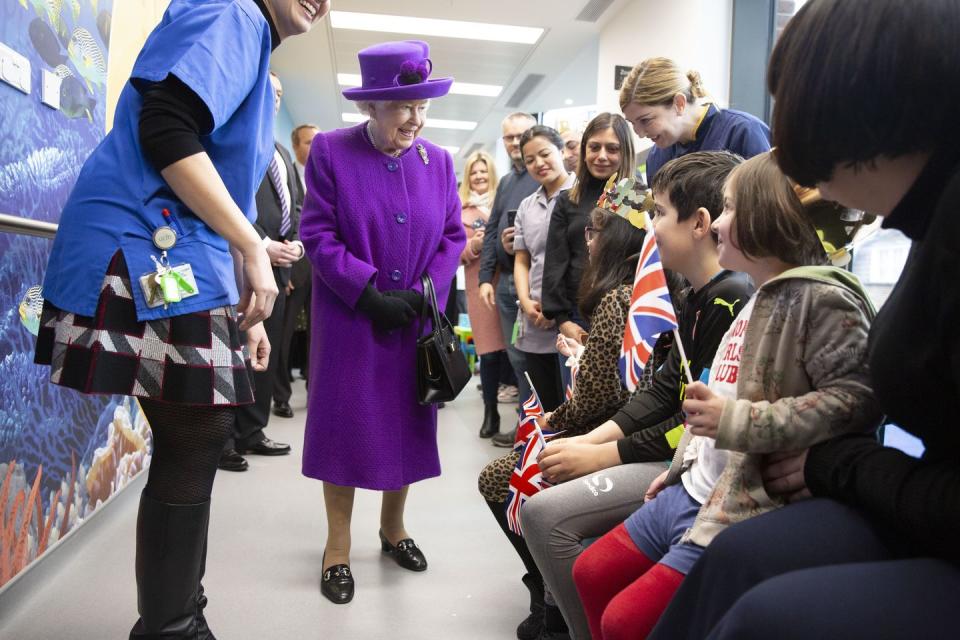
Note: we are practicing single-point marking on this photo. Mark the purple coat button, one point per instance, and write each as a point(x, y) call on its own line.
point(395, 275)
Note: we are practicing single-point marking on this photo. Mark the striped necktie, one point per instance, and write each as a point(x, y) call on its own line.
point(278, 184)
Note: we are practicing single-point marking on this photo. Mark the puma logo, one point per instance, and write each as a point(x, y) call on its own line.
point(728, 305)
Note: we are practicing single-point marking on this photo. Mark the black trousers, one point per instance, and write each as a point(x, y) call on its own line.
point(298, 299)
point(815, 569)
point(253, 418)
point(544, 371)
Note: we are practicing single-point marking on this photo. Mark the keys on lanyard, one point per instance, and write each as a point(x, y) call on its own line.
point(171, 285)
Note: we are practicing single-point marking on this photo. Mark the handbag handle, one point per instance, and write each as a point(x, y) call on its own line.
point(429, 299)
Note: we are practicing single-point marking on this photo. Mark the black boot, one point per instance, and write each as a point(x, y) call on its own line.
point(170, 541)
point(532, 626)
point(491, 421)
point(554, 626)
point(203, 631)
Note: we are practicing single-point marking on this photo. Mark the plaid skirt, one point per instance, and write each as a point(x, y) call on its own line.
point(193, 359)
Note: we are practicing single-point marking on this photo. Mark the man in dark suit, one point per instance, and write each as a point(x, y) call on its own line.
point(297, 297)
point(279, 201)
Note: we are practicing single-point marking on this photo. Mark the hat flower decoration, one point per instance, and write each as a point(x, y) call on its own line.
point(627, 199)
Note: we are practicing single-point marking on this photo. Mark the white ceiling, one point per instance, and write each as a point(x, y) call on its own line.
point(308, 65)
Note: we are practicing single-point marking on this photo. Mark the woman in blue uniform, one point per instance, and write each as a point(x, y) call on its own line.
point(673, 110)
point(141, 286)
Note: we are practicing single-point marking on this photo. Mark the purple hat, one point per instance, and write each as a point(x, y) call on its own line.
point(397, 71)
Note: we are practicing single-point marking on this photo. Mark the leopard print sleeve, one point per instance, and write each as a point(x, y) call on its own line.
point(598, 392)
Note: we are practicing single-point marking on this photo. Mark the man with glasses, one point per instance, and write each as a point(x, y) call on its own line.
point(497, 252)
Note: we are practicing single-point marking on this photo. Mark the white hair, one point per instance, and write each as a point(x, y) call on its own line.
point(366, 107)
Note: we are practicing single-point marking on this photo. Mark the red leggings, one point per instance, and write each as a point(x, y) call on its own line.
point(622, 590)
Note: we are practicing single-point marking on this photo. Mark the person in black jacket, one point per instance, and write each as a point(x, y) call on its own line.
point(496, 256)
point(278, 219)
point(607, 149)
point(875, 553)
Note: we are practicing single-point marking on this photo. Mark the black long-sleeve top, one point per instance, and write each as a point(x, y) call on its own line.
point(566, 256)
point(513, 188)
point(702, 321)
point(915, 370)
point(173, 117)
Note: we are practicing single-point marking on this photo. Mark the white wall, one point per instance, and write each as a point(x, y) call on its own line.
point(697, 34)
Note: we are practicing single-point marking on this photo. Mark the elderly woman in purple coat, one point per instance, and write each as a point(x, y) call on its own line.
point(381, 211)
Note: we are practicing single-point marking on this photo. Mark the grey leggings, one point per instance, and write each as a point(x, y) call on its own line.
point(557, 521)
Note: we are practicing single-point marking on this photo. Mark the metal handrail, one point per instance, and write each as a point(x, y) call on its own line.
point(26, 227)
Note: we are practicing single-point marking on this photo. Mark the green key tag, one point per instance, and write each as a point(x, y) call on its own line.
point(184, 285)
point(170, 286)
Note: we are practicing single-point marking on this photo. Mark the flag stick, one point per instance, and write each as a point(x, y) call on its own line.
point(532, 388)
point(683, 356)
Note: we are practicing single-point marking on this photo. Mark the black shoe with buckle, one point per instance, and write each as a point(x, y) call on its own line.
point(406, 553)
point(337, 585)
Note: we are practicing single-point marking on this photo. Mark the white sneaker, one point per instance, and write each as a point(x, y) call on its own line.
point(507, 394)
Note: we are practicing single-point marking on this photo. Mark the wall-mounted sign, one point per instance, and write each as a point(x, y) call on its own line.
point(620, 74)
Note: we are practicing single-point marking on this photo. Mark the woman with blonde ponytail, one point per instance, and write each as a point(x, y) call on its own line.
point(674, 111)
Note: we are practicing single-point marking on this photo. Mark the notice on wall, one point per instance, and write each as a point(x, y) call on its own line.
point(620, 74)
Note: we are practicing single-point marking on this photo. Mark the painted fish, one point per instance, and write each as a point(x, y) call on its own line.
point(74, 99)
point(86, 56)
point(30, 308)
point(103, 26)
point(52, 10)
point(62, 71)
point(45, 42)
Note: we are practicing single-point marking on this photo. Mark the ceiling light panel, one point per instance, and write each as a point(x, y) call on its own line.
point(435, 123)
point(460, 88)
point(434, 27)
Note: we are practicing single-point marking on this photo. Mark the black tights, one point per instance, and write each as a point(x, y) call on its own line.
point(187, 442)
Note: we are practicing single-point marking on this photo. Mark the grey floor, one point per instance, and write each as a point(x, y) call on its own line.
point(266, 539)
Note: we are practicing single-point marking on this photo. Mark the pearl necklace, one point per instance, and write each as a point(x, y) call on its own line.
point(369, 131)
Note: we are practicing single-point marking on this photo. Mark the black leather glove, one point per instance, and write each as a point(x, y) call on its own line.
point(386, 312)
point(410, 296)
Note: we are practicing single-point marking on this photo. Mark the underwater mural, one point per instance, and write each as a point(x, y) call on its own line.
point(62, 453)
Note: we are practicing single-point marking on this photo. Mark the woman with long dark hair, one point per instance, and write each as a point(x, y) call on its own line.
point(606, 150)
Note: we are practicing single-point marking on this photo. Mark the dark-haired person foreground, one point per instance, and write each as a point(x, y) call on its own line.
point(874, 554)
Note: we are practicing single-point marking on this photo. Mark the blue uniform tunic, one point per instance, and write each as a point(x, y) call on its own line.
point(221, 50)
point(719, 130)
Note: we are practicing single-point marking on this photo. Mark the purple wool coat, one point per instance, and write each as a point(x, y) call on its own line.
point(371, 218)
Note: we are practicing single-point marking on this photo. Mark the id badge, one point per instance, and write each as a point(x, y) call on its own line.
point(170, 286)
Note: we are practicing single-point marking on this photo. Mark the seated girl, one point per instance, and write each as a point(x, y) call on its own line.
point(790, 372)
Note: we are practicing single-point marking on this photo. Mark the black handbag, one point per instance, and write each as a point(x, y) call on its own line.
point(442, 370)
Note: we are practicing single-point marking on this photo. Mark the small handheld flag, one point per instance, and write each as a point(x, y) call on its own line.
point(530, 412)
point(651, 313)
point(526, 480)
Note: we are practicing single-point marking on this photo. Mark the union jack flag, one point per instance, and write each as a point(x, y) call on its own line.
point(651, 313)
point(531, 410)
point(527, 479)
